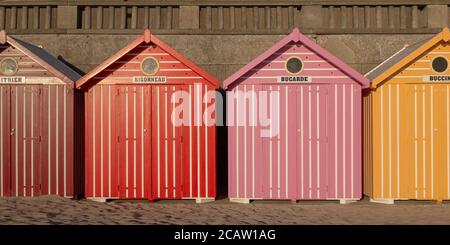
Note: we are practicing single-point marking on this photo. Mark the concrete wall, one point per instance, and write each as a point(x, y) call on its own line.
point(221, 36)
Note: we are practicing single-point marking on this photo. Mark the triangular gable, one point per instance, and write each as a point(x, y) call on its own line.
point(404, 57)
point(42, 57)
point(297, 37)
point(87, 81)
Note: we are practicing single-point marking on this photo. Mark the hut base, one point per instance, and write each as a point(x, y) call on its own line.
point(204, 200)
point(347, 201)
point(382, 201)
point(240, 200)
point(100, 199)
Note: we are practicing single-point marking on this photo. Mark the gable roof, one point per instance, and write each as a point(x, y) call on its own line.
point(404, 57)
point(296, 36)
point(147, 37)
point(42, 57)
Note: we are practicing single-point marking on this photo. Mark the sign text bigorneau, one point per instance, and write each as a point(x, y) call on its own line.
point(150, 79)
point(294, 79)
point(12, 80)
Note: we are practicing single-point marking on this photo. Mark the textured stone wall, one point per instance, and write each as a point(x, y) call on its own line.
point(221, 36)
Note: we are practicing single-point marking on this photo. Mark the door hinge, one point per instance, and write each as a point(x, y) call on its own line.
point(118, 138)
point(40, 138)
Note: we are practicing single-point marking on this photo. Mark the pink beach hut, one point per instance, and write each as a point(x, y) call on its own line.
point(294, 125)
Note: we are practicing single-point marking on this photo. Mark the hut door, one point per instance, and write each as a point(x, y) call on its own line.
point(134, 141)
point(312, 141)
point(25, 139)
point(166, 146)
point(429, 141)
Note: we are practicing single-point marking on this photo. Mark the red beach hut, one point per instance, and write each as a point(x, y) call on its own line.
point(314, 148)
point(40, 139)
point(133, 148)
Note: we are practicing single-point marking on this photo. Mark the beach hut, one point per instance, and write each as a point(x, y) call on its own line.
point(133, 148)
point(39, 116)
point(406, 124)
point(311, 146)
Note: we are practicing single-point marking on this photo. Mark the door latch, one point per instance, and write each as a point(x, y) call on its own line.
point(13, 131)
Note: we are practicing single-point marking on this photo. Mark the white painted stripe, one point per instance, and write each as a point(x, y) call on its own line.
point(206, 151)
point(49, 140)
point(190, 140)
point(199, 107)
point(253, 140)
point(245, 142)
point(174, 162)
point(352, 94)
point(278, 145)
point(134, 142)
point(24, 142)
point(422, 61)
point(32, 144)
point(344, 142)
point(293, 53)
point(17, 143)
point(287, 140)
point(181, 69)
point(415, 140)
point(382, 140)
point(409, 77)
point(432, 139)
point(302, 179)
point(147, 54)
point(1, 141)
point(101, 142)
point(237, 144)
point(127, 141)
point(335, 142)
point(109, 141)
point(139, 62)
point(398, 141)
point(448, 140)
point(309, 142)
point(439, 52)
point(283, 61)
point(318, 139)
point(57, 140)
point(65, 140)
point(390, 140)
point(270, 155)
point(166, 161)
point(142, 142)
point(121, 78)
point(284, 69)
point(276, 77)
point(131, 70)
point(423, 143)
point(418, 69)
point(159, 142)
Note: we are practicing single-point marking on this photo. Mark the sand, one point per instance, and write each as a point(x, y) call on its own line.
point(57, 210)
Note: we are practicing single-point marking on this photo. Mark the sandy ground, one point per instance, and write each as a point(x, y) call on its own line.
point(57, 210)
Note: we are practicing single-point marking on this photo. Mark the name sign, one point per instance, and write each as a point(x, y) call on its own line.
point(294, 79)
point(436, 78)
point(150, 79)
point(12, 80)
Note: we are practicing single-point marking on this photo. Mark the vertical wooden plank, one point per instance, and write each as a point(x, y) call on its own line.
point(123, 17)
point(111, 13)
point(232, 18)
point(220, 17)
point(157, 18)
point(2, 17)
point(35, 17)
point(134, 17)
point(146, 17)
point(48, 17)
point(24, 17)
point(99, 17)
point(13, 23)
